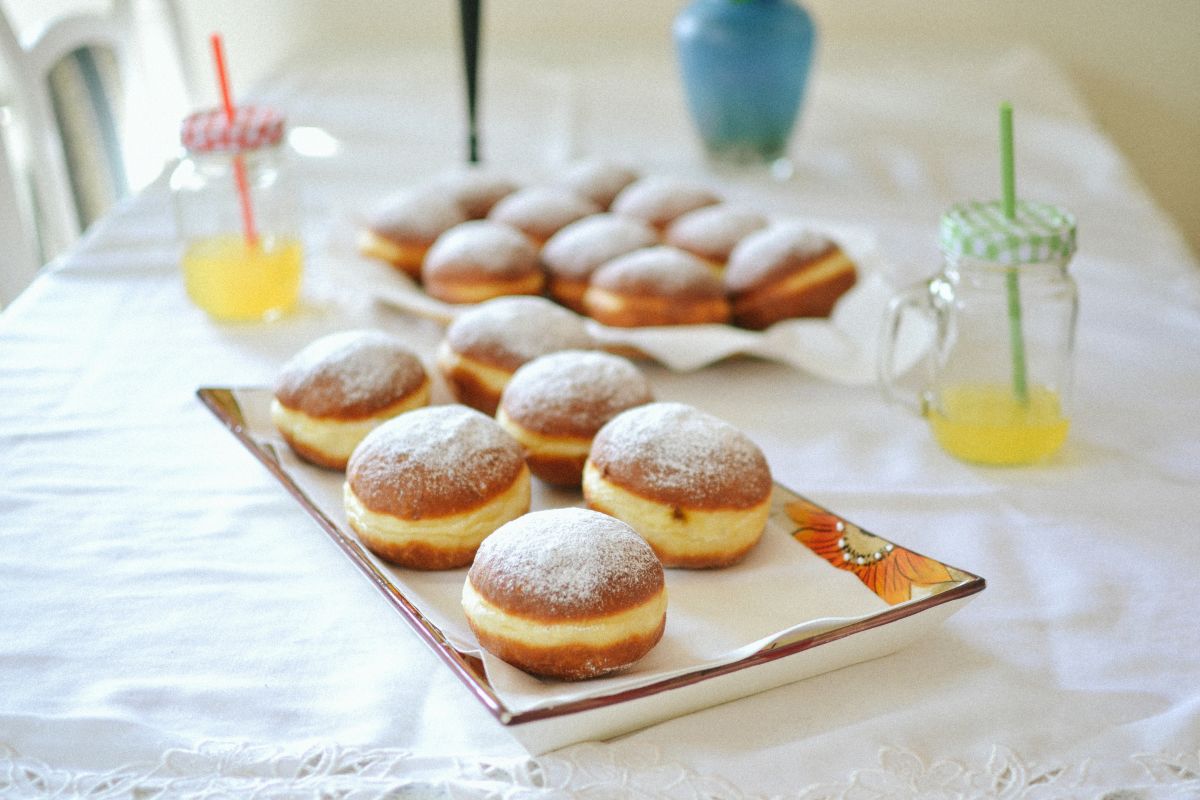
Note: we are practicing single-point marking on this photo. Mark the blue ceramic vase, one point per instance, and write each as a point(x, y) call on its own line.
point(745, 65)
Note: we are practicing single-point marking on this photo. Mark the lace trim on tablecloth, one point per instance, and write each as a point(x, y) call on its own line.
point(219, 769)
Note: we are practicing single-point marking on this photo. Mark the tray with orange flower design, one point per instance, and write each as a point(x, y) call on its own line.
point(816, 594)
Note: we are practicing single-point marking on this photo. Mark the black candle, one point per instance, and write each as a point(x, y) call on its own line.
point(469, 13)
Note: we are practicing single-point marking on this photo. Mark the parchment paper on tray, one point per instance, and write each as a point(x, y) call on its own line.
point(841, 349)
point(713, 616)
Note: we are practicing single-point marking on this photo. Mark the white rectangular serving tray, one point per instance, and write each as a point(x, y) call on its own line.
point(911, 607)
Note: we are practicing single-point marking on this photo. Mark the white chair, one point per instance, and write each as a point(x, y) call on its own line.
point(81, 99)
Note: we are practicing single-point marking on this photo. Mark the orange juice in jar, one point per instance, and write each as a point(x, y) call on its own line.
point(233, 279)
point(242, 258)
point(998, 372)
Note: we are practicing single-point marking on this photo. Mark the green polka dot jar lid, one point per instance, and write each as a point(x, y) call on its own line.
point(1038, 233)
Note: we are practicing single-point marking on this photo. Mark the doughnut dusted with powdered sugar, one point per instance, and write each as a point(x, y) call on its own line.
point(424, 489)
point(339, 388)
point(786, 271)
point(486, 344)
point(655, 286)
point(566, 593)
point(695, 487)
point(555, 404)
point(575, 252)
point(401, 229)
point(479, 260)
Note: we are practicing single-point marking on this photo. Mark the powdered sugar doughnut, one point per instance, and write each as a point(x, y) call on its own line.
point(711, 233)
point(694, 486)
point(401, 229)
point(786, 271)
point(655, 286)
point(424, 489)
point(475, 191)
point(340, 387)
point(598, 181)
point(571, 256)
point(567, 593)
point(479, 260)
point(541, 211)
point(554, 404)
point(658, 200)
point(484, 345)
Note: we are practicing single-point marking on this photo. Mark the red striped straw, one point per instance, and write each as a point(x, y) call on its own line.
point(239, 166)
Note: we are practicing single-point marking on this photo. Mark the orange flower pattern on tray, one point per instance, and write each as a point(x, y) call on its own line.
point(887, 570)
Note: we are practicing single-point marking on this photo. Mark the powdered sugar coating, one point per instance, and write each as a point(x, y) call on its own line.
point(713, 231)
point(771, 252)
point(674, 453)
point(508, 331)
point(475, 191)
point(579, 248)
point(565, 563)
point(659, 199)
point(598, 181)
point(349, 374)
point(573, 392)
point(433, 461)
point(419, 216)
point(661, 270)
point(480, 246)
point(541, 211)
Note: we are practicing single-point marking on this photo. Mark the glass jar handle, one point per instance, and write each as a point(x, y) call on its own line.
point(916, 298)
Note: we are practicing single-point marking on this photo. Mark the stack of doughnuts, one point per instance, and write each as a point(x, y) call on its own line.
point(470, 236)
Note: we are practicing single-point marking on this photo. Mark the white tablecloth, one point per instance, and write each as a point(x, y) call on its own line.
point(171, 621)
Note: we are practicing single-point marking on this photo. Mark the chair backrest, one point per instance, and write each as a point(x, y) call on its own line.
point(20, 260)
point(80, 91)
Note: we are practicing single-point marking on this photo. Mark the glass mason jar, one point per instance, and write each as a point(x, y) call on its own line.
point(997, 382)
point(236, 215)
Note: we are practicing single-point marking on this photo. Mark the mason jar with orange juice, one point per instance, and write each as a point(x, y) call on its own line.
point(997, 387)
point(235, 210)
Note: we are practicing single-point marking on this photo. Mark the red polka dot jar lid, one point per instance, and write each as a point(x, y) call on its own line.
point(252, 127)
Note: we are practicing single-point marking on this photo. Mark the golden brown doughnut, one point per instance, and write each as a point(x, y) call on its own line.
point(401, 229)
point(696, 488)
point(479, 260)
point(566, 593)
point(541, 211)
point(424, 489)
point(658, 200)
point(337, 389)
point(554, 404)
point(786, 271)
point(711, 233)
point(598, 181)
point(655, 286)
point(484, 345)
point(571, 256)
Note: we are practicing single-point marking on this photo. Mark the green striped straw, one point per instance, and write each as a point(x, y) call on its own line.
point(1015, 335)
